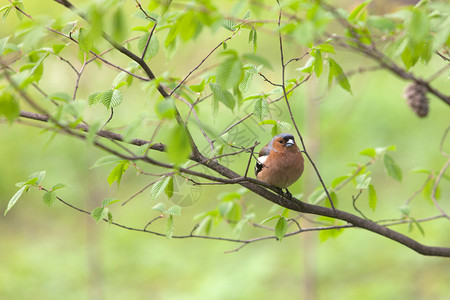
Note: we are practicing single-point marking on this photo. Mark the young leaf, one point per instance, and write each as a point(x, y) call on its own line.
point(117, 172)
point(152, 48)
point(357, 12)
point(405, 210)
point(281, 228)
point(257, 60)
point(99, 213)
point(174, 210)
point(253, 38)
point(111, 98)
point(169, 227)
point(119, 27)
point(372, 197)
point(230, 72)
point(106, 160)
point(161, 207)
point(58, 186)
point(418, 226)
point(169, 188)
point(84, 42)
point(363, 181)
point(108, 201)
point(261, 108)
point(222, 95)
point(14, 198)
point(179, 146)
point(49, 198)
point(9, 107)
point(94, 98)
point(337, 73)
point(392, 168)
point(318, 62)
point(369, 152)
point(159, 187)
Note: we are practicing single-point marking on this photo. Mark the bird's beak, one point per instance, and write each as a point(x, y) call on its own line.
point(290, 143)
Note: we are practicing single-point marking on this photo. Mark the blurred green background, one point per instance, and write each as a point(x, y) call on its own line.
point(59, 253)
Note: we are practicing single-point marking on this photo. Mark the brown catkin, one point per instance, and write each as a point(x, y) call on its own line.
point(416, 98)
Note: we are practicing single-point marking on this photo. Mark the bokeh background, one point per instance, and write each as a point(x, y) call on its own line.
point(59, 253)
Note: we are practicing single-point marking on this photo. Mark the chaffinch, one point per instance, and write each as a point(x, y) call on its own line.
point(280, 162)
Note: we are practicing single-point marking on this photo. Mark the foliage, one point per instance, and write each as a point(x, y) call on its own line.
point(185, 112)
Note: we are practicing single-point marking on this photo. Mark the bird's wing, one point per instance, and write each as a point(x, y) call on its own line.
point(261, 159)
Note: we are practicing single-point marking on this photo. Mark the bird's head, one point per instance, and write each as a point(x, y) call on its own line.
point(284, 142)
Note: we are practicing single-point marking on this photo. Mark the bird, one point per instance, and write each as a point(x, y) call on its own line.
point(280, 162)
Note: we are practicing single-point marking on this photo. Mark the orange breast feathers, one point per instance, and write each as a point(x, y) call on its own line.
point(280, 162)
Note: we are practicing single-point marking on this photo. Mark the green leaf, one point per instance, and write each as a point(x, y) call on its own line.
point(9, 107)
point(234, 215)
point(318, 62)
point(392, 168)
point(308, 67)
point(332, 233)
point(418, 226)
point(117, 172)
point(224, 208)
point(357, 12)
point(405, 210)
point(205, 225)
point(110, 218)
point(99, 213)
point(57, 48)
point(41, 177)
point(169, 188)
point(381, 23)
point(369, 152)
point(159, 187)
point(165, 108)
point(363, 181)
point(94, 98)
point(326, 48)
point(49, 197)
point(270, 218)
point(222, 95)
point(58, 186)
point(152, 48)
point(161, 207)
point(108, 201)
point(337, 73)
point(7, 10)
point(372, 197)
point(281, 228)
point(261, 108)
point(257, 60)
point(174, 210)
point(84, 42)
point(418, 26)
point(230, 72)
point(14, 198)
point(107, 160)
point(119, 26)
point(169, 227)
point(179, 145)
point(268, 122)
point(244, 85)
point(111, 98)
point(19, 4)
point(253, 38)
point(338, 180)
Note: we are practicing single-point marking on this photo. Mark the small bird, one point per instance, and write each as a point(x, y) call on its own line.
point(280, 162)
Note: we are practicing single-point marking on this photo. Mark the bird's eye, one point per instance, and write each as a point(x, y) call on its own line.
point(280, 141)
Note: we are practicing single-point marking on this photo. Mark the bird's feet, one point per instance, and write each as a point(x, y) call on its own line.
point(287, 195)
